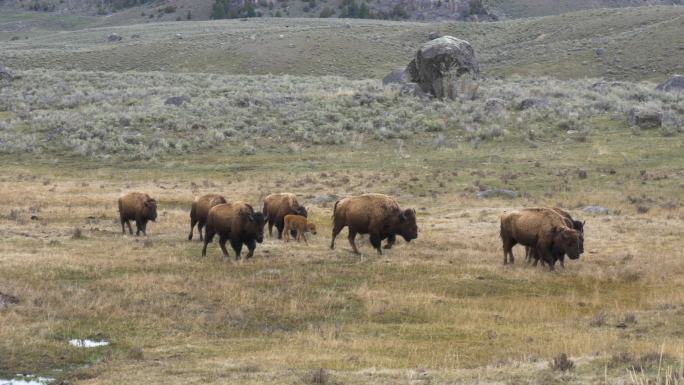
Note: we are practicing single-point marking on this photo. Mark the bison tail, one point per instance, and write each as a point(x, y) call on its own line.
point(334, 209)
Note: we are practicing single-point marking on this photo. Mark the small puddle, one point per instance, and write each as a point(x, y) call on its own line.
point(21, 379)
point(85, 343)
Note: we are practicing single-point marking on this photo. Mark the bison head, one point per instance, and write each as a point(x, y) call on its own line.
point(300, 210)
point(406, 226)
point(254, 225)
point(312, 228)
point(150, 209)
point(579, 226)
point(568, 241)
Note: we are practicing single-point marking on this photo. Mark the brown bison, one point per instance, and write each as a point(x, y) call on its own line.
point(236, 222)
point(375, 214)
point(277, 206)
point(139, 207)
point(300, 225)
point(570, 222)
point(542, 229)
point(200, 211)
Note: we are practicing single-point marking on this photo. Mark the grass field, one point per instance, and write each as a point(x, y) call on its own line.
point(86, 121)
point(437, 310)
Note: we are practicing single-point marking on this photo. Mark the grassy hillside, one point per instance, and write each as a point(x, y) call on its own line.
point(640, 43)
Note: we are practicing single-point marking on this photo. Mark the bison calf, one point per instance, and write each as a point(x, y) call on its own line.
point(138, 207)
point(299, 224)
point(277, 206)
point(200, 211)
point(375, 214)
point(236, 222)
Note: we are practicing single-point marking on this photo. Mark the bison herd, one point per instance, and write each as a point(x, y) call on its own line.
point(548, 234)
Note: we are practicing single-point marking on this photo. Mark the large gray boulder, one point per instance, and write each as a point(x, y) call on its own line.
point(113, 37)
point(674, 84)
point(440, 63)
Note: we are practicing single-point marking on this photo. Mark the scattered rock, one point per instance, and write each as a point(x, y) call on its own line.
point(497, 192)
point(494, 106)
point(645, 118)
point(397, 76)
point(114, 37)
point(439, 63)
point(600, 52)
point(434, 35)
point(562, 363)
point(582, 174)
point(347, 25)
point(595, 210)
point(135, 36)
point(179, 36)
point(323, 199)
point(270, 273)
point(413, 89)
point(674, 84)
point(177, 100)
point(5, 73)
point(6, 300)
point(533, 103)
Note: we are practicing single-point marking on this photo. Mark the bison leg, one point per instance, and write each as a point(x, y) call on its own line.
point(222, 243)
point(279, 226)
point(138, 227)
point(207, 240)
point(335, 231)
point(193, 222)
point(200, 227)
point(390, 241)
point(376, 241)
point(528, 254)
point(270, 227)
point(302, 235)
point(130, 229)
point(251, 245)
point(144, 227)
point(351, 237)
point(237, 247)
point(287, 234)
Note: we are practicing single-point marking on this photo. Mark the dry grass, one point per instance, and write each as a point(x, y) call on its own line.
point(439, 310)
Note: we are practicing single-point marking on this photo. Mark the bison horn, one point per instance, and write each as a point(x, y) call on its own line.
point(251, 218)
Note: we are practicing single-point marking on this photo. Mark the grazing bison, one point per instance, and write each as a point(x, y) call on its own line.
point(200, 211)
point(139, 207)
point(375, 214)
point(277, 206)
point(236, 222)
point(299, 224)
point(542, 229)
point(570, 222)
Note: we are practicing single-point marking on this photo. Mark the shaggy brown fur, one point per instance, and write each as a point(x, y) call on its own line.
point(570, 222)
point(139, 207)
point(200, 211)
point(277, 206)
point(237, 222)
point(300, 225)
point(543, 229)
point(376, 214)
